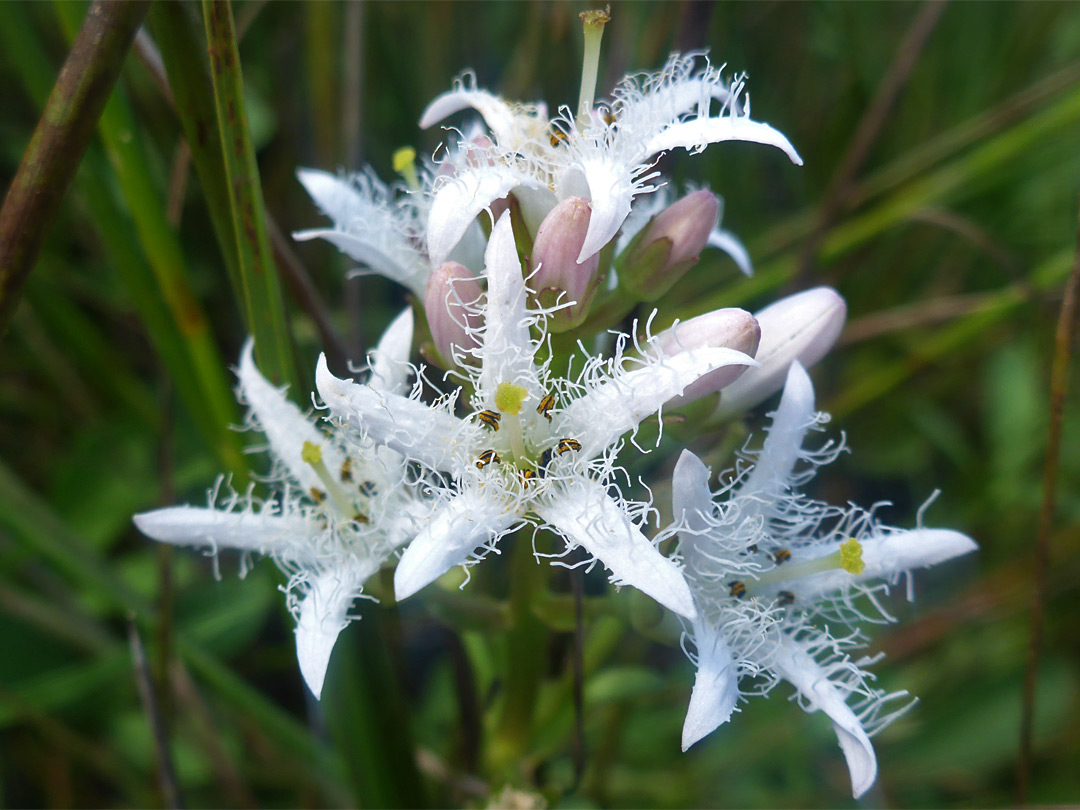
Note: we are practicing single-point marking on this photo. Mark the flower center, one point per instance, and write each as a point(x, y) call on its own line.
point(312, 455)
point(509, 403)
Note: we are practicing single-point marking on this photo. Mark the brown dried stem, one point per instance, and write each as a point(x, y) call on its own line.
point(1059, 383)
point(48, 166)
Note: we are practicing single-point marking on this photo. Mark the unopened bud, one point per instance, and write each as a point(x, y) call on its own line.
point(452, 305)
point(558, 278)
point(668, 246)
point(800, 327)
point(722, 328)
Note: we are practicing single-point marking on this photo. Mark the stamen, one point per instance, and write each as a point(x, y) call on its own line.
point(405, 164)
point(593, 22)
point(545, 406)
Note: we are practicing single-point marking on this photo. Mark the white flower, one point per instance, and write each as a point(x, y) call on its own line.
point(382, 226)
point(535, 448)
point(340, 508)
point(768, 567)
point(606, 156)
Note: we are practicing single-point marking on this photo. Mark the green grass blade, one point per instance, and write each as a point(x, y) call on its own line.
point(182, 52)
point(124, 148)
point(263, 300)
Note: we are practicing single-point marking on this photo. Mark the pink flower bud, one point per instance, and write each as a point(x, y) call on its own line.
point(558, 278)
point(722, 328)
point(668, 246)
point(800, 327)
point(451, 302)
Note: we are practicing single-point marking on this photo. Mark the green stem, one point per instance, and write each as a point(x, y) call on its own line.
point(263, 301)
point(526, 652)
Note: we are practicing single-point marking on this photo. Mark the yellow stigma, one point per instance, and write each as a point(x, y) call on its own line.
point(851, 557)
point(311, 454)
point(404, 160)
point(509, 397)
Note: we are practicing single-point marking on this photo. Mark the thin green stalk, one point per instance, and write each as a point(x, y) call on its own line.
point(262, 290)
point(183, 53)
point(62, 135)
point(524, 666)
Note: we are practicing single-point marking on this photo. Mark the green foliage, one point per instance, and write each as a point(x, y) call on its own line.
point(952, 248)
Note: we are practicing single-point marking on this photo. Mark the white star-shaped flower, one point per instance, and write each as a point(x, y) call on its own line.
point(768, 567)
point(535, 449)
point(606, 156)
point(339, 511)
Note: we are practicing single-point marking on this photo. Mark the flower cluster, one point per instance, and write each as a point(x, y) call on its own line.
point(520, 236)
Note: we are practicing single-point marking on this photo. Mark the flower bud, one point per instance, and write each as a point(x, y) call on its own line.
point(722, 328)
point(668, 246)
point(800, 327)
point(557, 276)
point(451, 303)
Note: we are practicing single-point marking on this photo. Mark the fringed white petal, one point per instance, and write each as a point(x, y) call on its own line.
point(696, 133)
point(793, 663)
point(733, 247)
point(367, 226)
point(611, 191)
point(390, 358)
point(507, 352)
point(285, 425)
point(884, 557)
point(457, 203)
point(783, 446)
point(610, 409)
point(691, 501)
point(469, 252)
point(473, 519)
point(323, 615)
point(497, 114)
point(670, 101)
point(716, 685)
point(408, 270)
point(287, 537)
point(586, 515)
point(335, 196)
point(417, 431)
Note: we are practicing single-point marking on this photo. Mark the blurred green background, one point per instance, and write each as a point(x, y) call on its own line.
point(951, 240)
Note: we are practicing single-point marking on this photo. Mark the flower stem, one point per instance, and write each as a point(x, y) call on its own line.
point(524, 666)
